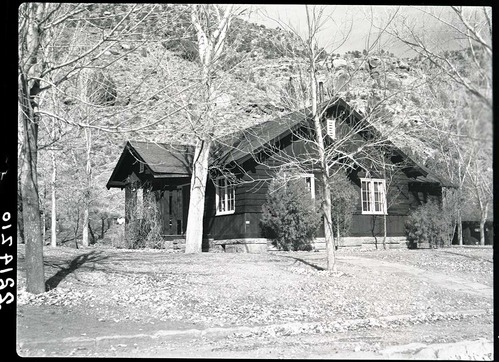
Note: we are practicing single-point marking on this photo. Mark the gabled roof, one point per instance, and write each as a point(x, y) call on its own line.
point(160, 160)
point(175, 160)
point(164, 158)
point(247, 142)
point(243, 144)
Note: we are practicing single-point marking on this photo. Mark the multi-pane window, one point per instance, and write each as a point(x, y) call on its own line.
point(373, 196)
point(225, 196)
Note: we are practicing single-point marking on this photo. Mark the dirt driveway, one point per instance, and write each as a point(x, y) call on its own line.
point(439, 279)
point(108, 302)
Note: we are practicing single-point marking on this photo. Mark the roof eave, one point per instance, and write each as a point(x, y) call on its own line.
point(118, 164)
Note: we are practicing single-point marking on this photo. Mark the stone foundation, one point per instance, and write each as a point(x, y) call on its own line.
point(364, 242)
point(262, 245)
point(256, 245)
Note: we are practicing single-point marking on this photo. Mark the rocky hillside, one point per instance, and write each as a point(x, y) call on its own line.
point(261, 65)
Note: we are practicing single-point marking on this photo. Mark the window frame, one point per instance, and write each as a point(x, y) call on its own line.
point(226, 190)
point(371, 201)
point(312, 183)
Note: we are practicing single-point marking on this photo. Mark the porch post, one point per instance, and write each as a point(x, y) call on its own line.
point(130, 215)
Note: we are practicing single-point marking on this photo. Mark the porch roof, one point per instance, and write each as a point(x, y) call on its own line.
point(164, 158)
point(159, 159)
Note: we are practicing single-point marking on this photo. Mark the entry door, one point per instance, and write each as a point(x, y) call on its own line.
point(171, 210)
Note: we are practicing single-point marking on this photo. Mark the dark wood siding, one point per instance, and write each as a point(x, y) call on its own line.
point(251, 194)
point(249, 197)
point(362, 225)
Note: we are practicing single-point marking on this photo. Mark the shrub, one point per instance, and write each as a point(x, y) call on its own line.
point(101, 89)
point(428, 224)
point(150, 226)
point(290, 218)
point(145, 230)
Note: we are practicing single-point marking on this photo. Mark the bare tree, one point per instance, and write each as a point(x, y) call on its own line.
point(461, 61)
point(53, 224)
point(211, 23)
point(468, 30)
point(350, 146)
point(480, 174)
point(55, 42)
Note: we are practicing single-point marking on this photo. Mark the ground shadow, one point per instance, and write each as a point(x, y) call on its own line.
point(468, 256)
point(76, 263)
point(316, 267)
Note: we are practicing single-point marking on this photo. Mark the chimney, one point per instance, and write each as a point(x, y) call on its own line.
point(321, 92)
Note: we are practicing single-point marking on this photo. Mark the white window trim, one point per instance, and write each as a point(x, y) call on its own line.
point(371, 181)
point(312, 183)
point(218, 191)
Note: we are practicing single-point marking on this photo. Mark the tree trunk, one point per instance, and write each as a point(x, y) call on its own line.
point(91, 233)
point(373, 227)
point(211, 42)
point(384, 232)
point(102, 228)
point(20, 224)
point(42, 217)
point(319, 140)
point(20, 228)
point(328, 226)
point(482, 231)
point(35, 279)
point(459, 227)
point(88, 171)
point(53, 224)
point(84, 240)
point(337, 232)
point(194, 231)
point(483, 219)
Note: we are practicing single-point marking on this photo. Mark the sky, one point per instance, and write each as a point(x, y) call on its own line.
point(354, 20)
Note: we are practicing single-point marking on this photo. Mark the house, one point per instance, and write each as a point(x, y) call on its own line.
point(243, 165)
point(471, 232)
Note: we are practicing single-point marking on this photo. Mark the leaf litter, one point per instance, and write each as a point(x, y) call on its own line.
point(218, 289)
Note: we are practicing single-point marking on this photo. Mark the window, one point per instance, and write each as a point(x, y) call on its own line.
point(310, 181)
point(141, 167)
point(331, 128)
point(225, 197)
point(373, 197)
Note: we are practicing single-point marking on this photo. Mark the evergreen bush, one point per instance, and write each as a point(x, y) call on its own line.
point(290, 217)
point(428, 224)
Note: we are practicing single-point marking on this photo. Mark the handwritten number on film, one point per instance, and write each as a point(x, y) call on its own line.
point(9, 282)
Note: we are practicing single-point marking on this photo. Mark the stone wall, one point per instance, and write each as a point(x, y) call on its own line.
point(262, 245)
point(249, 245)
point(365, 242)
